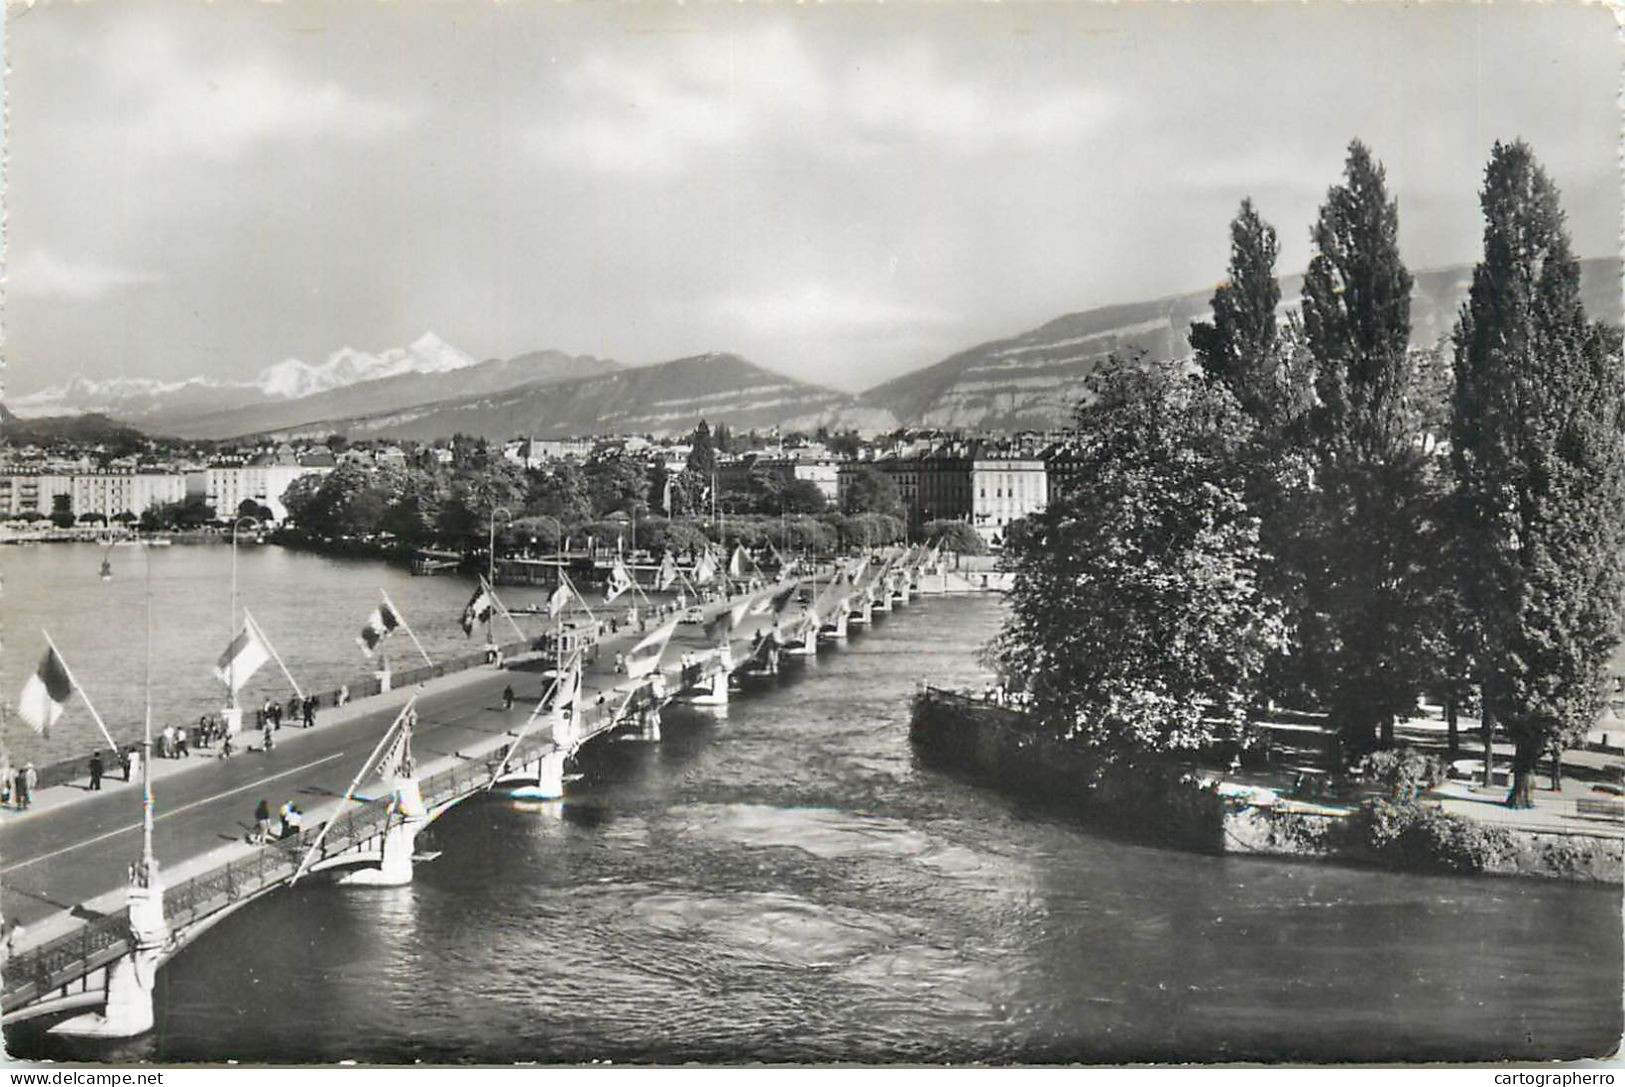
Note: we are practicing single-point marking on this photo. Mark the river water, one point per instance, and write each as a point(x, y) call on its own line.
point(785, 882)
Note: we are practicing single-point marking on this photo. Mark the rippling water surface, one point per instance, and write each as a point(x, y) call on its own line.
point(787, 883)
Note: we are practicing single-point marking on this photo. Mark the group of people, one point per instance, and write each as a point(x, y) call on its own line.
point(17, 786)
point(291, 820)
point(271, 715)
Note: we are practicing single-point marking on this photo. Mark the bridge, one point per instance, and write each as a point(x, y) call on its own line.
point(97, 928)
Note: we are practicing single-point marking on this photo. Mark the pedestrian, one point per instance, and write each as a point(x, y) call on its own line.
point(294, 709)
point(96, 772)
point(269, 741)
point(129, 763)
point(225, 746)
point(310, 712)
point(507, 697)
point(182, 750)
point(282, 818)
point(620, 664)
point(262, 823)
point(295, 821)
point(344, 695)
point(27, 780)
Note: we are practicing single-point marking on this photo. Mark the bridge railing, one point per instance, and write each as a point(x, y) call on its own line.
point(36, 972)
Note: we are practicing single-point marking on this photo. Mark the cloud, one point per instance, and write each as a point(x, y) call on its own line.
point(659, 107)
point(42, 274)
point(817, 309)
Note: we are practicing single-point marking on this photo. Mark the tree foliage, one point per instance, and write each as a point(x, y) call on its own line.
point(1538, 446)
point(955, 536)
point(870, 490)
point(1137, 623)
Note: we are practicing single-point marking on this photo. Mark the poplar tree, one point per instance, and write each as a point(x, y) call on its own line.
point(1538, 448)
point(1366, 627)
point(1238, 349)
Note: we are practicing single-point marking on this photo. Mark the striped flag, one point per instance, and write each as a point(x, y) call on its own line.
point(668, 573)
point(560, 597)
point(645, 656)
point(477, 610)
point(380, 625)
point(768, 603)
point(242, 658)
point(396, 760)
point(46, 693)
point(619, 582)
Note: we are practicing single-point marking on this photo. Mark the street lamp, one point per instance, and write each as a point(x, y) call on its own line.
point(491, 571)
point(233, 714)
point(145, 873)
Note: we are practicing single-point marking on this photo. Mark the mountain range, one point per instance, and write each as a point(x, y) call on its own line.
point(429, 389)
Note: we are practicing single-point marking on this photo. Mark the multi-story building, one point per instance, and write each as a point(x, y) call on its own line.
point(31, 495)
point(824, 473)
point(227, 487)
point(986, 490)
point(534, 452)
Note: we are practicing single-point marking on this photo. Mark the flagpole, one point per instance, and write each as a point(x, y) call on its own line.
point(260, 632)
point(556, 685)
point(304, 861)
point(406, 626)
point(88, 704)
point(578, 596)
point(503, 608)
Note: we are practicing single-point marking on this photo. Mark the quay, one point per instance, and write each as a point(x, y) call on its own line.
point(96, 928)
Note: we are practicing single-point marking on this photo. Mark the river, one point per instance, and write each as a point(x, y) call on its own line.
point(785, 882)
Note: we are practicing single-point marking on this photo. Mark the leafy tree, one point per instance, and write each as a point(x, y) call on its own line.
point(1368, 622)
point(801, 496)
point(955, 536)
point(1137, 623)
point(414, 515)
point(1538, 446)
point(617, 484)
point(870, 490)
point(250, 508)
point(91, 517)
point(558, 491)
point(62, 510)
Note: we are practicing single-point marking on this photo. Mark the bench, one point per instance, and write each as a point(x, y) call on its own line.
point(1606, 807)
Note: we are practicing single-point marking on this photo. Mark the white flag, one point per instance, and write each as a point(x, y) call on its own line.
point(645, 656)
point(556, 602)
point(242, 658)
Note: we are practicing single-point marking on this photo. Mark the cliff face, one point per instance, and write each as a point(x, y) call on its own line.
point(1032, 381)
point(659, 400)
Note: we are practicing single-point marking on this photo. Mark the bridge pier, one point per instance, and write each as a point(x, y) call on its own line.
point(835, 629)
point(130, 979)
point(407, 817)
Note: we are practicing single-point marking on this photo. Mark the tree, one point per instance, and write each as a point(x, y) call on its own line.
point(801, 496)
point(702, 454)
point(1538, 447)
point(955, 536)
point(62, 510)
point(1238, 349)
point(870, 490)
point(250, 508)
point(1136, 620)
point(617, 484)
point(1366, 623)
point(91, 517)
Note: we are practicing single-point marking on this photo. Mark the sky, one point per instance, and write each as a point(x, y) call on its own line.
point(839, 192)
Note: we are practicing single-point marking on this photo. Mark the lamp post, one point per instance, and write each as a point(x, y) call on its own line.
point(144, 874)
point(233, 714)
point(491, 571)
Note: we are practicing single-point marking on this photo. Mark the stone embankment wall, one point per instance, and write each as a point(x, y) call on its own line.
point(997, 744)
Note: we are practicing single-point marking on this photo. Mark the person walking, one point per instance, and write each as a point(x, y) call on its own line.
point(129, 763)
point(270, 741)
point(96, 772)
point(507, 697)
point(262, 823)
point(310, 712)
point(26, 782)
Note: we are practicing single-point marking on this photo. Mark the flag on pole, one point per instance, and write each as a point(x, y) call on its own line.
point(556, 602)
point(719, 626)
point(242, 658)
point(394, 762)
point(768, 603)
point(736, 562)
point(46, 693)
point(668, 573)
point(706, 568)
point(645, 656)
point(380, 625)
point(619, 582)
point(478, 610)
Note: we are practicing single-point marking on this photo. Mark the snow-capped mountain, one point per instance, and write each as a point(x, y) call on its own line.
point(290, 379)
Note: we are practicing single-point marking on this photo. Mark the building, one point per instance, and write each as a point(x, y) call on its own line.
point(227, 487)
point(533, 452)
point(31, 495)
point(113, 493)
point(985, 489)
point(107, 494)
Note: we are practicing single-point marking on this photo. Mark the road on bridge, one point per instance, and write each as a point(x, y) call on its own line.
point(54, 860)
